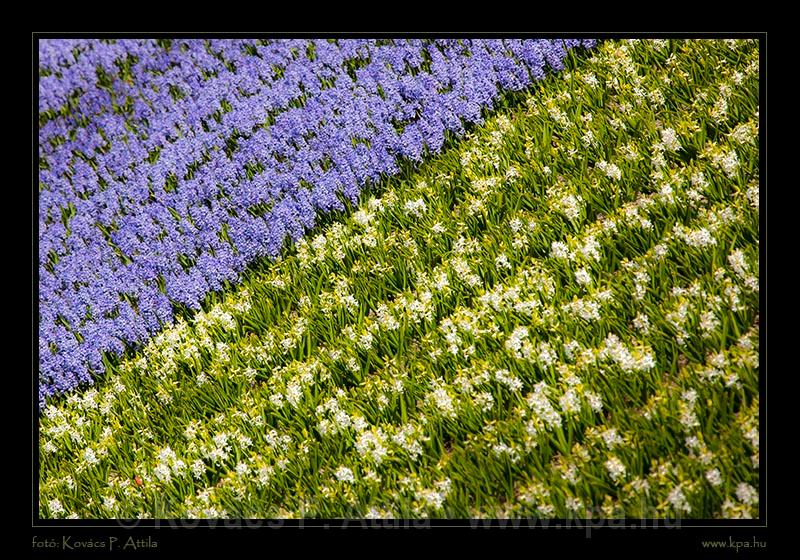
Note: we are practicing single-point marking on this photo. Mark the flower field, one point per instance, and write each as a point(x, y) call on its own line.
point(399, 279)
point(167, 170)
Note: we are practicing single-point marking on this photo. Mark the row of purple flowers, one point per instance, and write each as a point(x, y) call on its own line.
point(178, 165)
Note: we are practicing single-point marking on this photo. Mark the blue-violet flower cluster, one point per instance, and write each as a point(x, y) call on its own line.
point(166, 167)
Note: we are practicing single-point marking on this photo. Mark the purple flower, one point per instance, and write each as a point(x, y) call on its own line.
point(147, 154)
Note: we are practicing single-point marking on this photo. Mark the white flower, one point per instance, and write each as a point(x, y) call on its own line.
point(629, 150)
point(591, 248)
point(362, 217)
point(570, 348)
point(90, 399)
point(415, 207)
point(660, 250)
point(690, 396)
point(615, 468)
point(586, 309)
point(276, 399)
point(434, 498)
point(109, 502)
point(324, 426)
point(582, 277)
point(55, 507)
point(689, 419)
point(90, 456)
point(341, 419)
point(371, 444)
point(191, 431)
point(178, 467)
point(502, 448)
point(365, 341)
point(610, 169)
point(666, 193)
point(198, 468)
point(729, 163)
point(541, 407)
point(484, 401)
point(700, 238)
point(640, 485)
point(708, 323)
point(640, 360)
point(611, 437)
point(294, 392)
point(546, 355)
point(571, 206)
point(559, 250)
point(613, 172)
point(747, 494)
point(569, 402)
point(640, 281)
point(443, 402)
point(408, 438)
point(510, 381)
point(714, 477)
point(751, 434)
point(752, 195)
point(670, 140)
point(595, 402)
point(263, 475)
point(642, 323)
point(166, 455)
point(677, 498)
point(739, 264)
point(502, 262)
point(515, 341)
point(163, 473)
point(318, 244)
point(573, 504)
point(343, 474)
point(744, 133)
point(440, 282)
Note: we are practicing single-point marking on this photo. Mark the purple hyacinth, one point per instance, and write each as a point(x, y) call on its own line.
point(149, 150)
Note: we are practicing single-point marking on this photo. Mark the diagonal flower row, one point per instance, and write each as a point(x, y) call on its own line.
point(165, 169)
